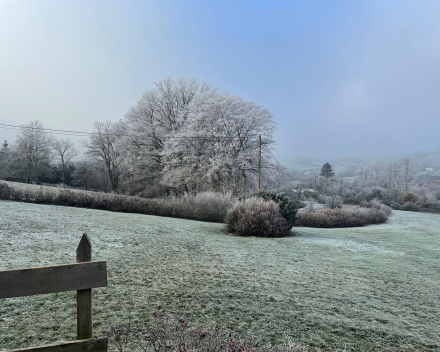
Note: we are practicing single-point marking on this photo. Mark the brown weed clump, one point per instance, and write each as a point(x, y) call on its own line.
point(409, 198)
point(167, 333)
point(257, 217)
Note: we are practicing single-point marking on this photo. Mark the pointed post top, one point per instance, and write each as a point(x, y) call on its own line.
point(84, 250)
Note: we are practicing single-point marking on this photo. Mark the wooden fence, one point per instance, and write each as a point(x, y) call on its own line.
point(81, 276)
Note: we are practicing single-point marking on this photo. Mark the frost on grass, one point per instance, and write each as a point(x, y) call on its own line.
point(347, 245)
point(324, 287)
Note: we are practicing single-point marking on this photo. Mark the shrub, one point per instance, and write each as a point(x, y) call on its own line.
point(352, 199)
point(409, 197)
point(287, 206)
point(341, 217)
point(395, 206)
point(431, 207)
point(333, 202)
point(309, 194)
point(364, 204)
point(321, 199)
point(208, 206)
point(257, 217)
point(213, 205)
point(368, 193)
point(424, 196)
point(168, 333)
point(376, 205)
point(410, 206)
point(376, 192)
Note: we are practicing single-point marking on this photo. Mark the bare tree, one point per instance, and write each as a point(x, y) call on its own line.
point(102, 148)
point(66, 152)
point(33, 147)
point(84, 174)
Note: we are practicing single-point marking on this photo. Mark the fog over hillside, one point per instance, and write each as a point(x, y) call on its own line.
point(423, 162)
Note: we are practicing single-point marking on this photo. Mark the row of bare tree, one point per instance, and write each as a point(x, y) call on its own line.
point(32, 153)
point(181, 136)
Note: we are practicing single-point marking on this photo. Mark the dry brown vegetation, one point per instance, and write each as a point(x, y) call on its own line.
point(207, 206)
point(168, 333)
point(326, 218)
point(257, 217)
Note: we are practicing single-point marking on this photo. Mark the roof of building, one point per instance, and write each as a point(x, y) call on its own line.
point(423, 179)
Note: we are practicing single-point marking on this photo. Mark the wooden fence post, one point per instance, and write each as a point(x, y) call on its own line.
point(84, 297)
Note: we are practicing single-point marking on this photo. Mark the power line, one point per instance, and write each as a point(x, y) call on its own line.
point(86, 134)
point(66, 134)
point(43, 129)
point(273, 156)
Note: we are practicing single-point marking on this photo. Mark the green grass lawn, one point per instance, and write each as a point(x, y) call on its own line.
point(375, 288)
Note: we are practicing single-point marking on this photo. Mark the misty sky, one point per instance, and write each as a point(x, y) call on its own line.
point(342, 78)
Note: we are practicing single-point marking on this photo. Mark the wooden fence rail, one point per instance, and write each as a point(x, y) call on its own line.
point(81, 277)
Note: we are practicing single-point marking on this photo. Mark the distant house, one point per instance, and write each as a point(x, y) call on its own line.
point(311, 190)
point(424, 181)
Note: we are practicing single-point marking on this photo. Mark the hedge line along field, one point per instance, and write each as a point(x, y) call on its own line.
point(375, 288)
point(36, 188)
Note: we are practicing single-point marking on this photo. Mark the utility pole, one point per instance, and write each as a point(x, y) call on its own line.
point(259, 162)
point(389, 185)
point(406, 173)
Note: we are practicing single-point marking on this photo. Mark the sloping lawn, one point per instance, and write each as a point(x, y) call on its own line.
point(375, 288)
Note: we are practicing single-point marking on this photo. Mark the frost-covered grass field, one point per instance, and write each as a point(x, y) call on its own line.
point(375, 288)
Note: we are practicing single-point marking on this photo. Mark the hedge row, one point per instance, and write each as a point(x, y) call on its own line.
point(209, 208)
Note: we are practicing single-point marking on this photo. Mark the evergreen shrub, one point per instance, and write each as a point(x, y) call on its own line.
point(287, 206)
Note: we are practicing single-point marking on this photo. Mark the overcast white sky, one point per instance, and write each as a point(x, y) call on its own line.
point(342, 78)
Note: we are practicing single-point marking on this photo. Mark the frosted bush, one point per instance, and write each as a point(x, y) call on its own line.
point(328, 218)
point(257, 217)
point(214, 205)
point(208, 206)
point(424, 195)
point(333, 202)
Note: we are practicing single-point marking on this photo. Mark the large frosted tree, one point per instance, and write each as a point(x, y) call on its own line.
point(217, 147)
point(159, 114)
